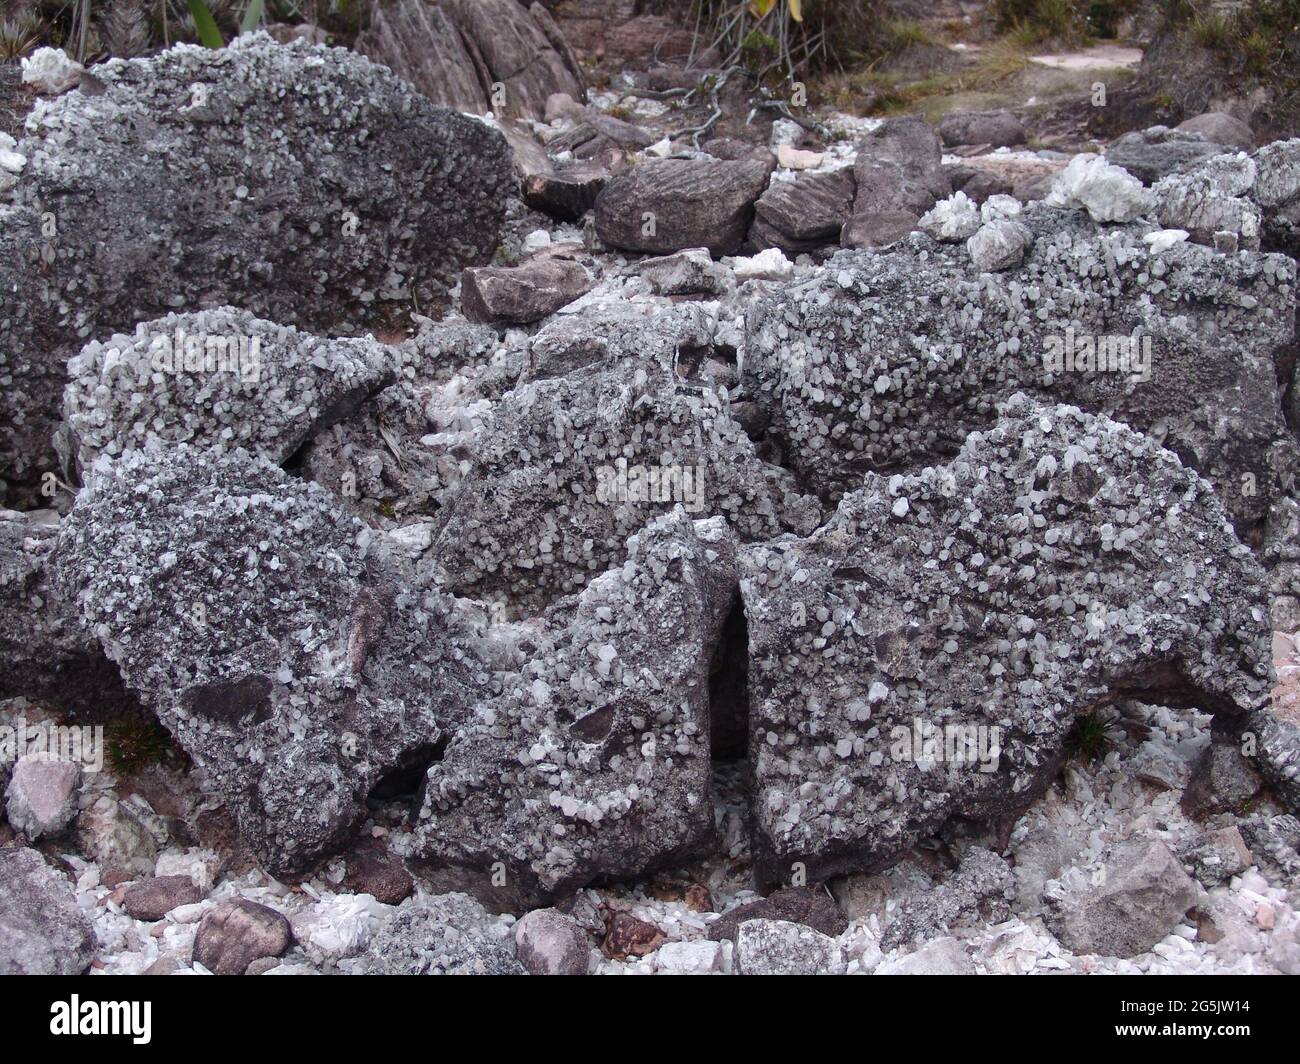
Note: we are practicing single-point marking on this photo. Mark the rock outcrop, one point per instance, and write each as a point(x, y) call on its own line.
point(218, 378)
point(476, 55)
point(266, 628)
point(886, 362)
point(594, 761)
point(144, 199)
point(923, 654)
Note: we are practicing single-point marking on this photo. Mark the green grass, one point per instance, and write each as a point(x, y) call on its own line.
point(1089, 738)
point(134, 743)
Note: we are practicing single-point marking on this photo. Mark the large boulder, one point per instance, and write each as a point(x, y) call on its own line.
point(671, 204)
point(267, 629)
point(923, 655)
point(43, 930)
point(594, 761)
point(1255, 199)
point(397, 455)
point(570, 466)
point(303, 184)
point(888, 361)
point(421, 43)
point(218, 378)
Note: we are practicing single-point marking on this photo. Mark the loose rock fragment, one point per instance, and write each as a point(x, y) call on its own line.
point(238, 932)
point(43, 930)
point(1141, 895)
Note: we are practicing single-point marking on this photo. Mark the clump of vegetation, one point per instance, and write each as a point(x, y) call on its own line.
point(134, 743)
point(890, 93)
point(1062, 21)
point(789, 38)
point(1260, 40)
point(1089, 739)
point(18, 37)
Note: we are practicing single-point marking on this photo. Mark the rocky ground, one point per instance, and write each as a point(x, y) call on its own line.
point(531, 516)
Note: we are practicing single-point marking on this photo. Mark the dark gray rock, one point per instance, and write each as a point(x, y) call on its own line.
point(899, 175)
point(267, 629)
point(1223, 780)
point(567, 192)
point(998, 596)
point(1220, 128)
point(593, 763)
point(1254, 198)
point(521, 294)
point(382, 463)
point(236, 933)
point(671, 204)
point(46, 654)
point(152, 899)
point(805, 213)
point(731, 150)
point(1141, 896)
point(887, 361)
point(1217, 856)
point(1276, 838)
point(1150, 154)
point(997, 129)
point(147, 202)
point(539, 514)
point(979, 185)
point(1033, 189)
point(43, 930)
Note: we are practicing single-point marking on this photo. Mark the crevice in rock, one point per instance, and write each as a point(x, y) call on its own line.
point(404, 782)
point(729, 689)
